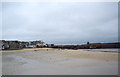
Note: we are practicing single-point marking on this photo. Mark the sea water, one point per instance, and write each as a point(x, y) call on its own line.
point(111, 50)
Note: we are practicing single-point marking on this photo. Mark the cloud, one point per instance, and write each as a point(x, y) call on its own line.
point(61, 23)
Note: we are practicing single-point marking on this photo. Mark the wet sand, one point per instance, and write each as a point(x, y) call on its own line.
point(48, 61)
point(0, 64)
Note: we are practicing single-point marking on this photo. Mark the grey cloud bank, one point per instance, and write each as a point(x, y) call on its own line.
point(61, 23)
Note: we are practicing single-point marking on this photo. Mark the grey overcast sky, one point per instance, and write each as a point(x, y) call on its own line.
point(60, 23)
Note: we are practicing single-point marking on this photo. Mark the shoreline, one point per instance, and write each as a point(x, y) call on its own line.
point(36, 49)
point(26, 49)
point(71, 53)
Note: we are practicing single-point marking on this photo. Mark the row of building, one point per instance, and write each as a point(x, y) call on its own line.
point(40, 44)
point(22, 44)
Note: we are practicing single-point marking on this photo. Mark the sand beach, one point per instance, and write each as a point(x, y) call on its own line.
point(49, 61)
